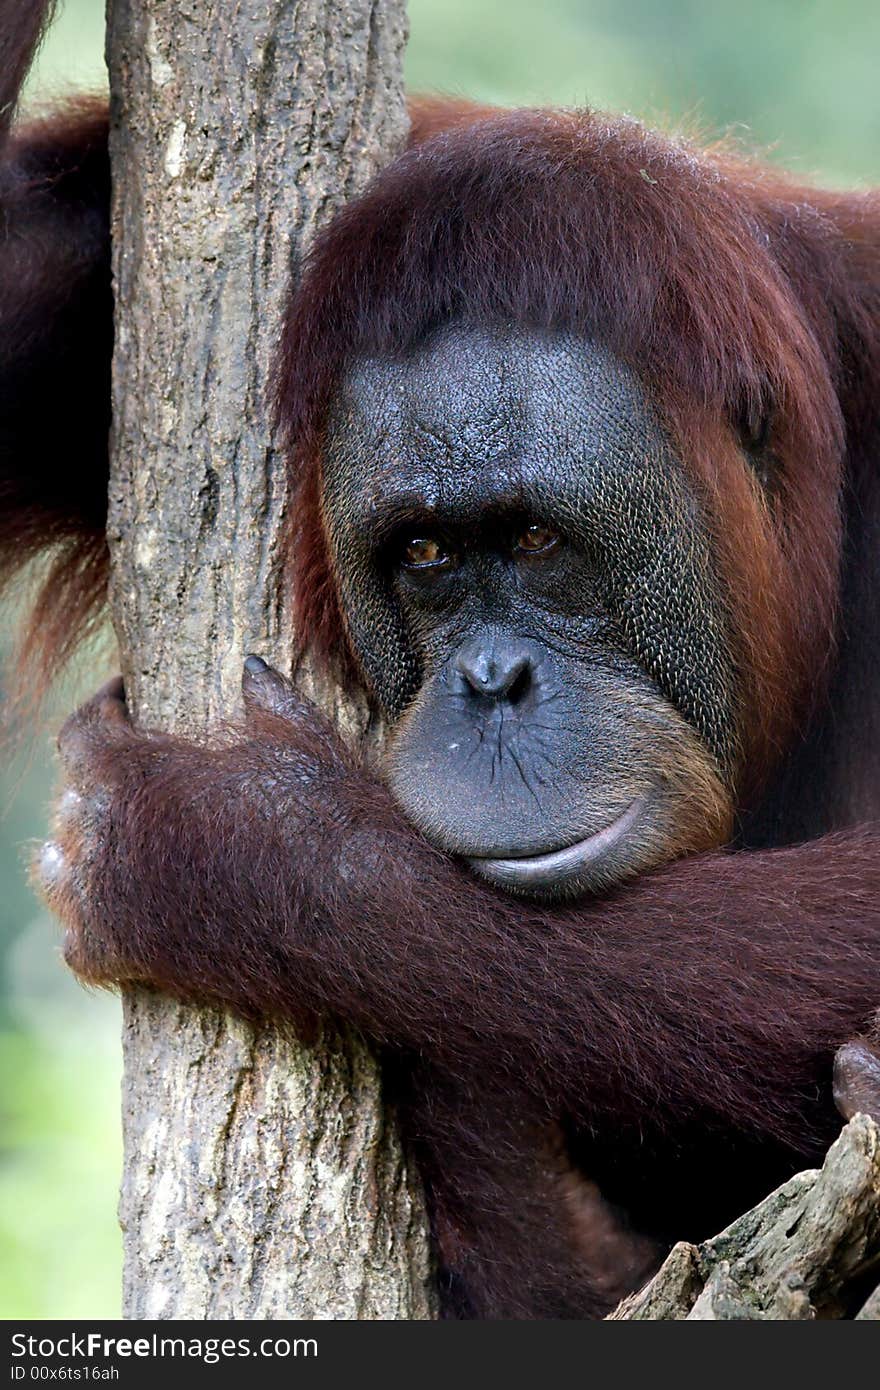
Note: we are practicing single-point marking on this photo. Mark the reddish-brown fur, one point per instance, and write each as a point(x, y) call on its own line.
point(687, 1022)
point(731, 290)
point(56, 334)
point(683, 1026)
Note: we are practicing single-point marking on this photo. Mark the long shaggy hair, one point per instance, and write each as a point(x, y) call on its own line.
point(749, 306)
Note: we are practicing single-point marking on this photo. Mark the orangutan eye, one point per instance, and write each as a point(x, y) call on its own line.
point(536, 539)
point(424, 552)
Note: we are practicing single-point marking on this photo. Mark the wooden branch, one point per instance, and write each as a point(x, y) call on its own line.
point(808, 1250)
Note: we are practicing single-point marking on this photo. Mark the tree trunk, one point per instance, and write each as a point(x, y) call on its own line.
point(261, 1180)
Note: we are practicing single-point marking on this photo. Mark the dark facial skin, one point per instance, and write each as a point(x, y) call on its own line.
point(530, 588)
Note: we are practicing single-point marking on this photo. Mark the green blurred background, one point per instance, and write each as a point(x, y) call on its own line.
point(796, 77)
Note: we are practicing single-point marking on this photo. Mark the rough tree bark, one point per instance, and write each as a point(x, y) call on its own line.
point(260, 1180)
point(809, 1250)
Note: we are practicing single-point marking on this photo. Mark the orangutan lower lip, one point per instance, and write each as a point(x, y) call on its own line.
point(543, 870)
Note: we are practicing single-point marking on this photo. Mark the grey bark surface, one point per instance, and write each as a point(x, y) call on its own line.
point(799, 1254)
point(261, 1180)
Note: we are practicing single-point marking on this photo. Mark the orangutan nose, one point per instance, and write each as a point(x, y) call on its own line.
point(497, 670)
